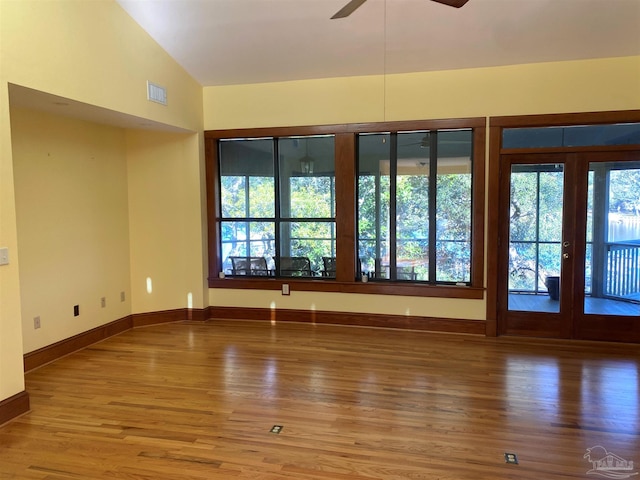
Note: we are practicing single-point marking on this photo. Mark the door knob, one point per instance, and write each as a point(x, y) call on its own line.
point(565, 255)
point(565, 244)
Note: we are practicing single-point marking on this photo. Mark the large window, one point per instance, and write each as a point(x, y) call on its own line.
point(324, 208)
point(414, 206)
point(277, 199)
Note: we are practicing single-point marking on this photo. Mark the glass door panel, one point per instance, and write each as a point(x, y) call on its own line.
point(569, 243)
point(536, 202)
point(612, 263)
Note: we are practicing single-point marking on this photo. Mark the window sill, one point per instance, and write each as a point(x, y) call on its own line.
point(367, 288)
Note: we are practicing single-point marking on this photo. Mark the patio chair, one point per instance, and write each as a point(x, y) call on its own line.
point(254, 266)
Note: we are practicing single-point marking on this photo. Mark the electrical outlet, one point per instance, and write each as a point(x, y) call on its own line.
point(285, 289)
point(4, 256)
point(36, 322)
point(103, 302)
point(76, 310)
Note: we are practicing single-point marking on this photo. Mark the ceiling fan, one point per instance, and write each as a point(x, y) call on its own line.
point(353, 5)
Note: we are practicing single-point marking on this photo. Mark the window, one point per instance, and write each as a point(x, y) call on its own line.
point(572, 136)
point(319, 206)
point(415, 206)
point(277, 201)
point(535, 232)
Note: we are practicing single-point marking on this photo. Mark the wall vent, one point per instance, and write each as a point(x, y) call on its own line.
point(156, 93)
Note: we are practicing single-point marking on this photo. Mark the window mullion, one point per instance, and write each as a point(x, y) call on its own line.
point(433, 195)
point(536, 284)
point(247, 210)
point(393, 221)
point(276, 196)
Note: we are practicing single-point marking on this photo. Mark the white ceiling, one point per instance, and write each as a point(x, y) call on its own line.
point(221, 42)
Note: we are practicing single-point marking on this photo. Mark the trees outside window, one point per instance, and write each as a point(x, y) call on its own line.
point(402, 202)
point(415, 204)
point(277, 199)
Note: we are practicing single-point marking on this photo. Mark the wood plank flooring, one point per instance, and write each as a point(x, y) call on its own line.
point(197, 401)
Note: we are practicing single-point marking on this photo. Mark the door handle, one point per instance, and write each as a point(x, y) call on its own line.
point(565, 255)
point(565, 244)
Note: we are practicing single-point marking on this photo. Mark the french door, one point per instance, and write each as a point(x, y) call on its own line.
point(569, 245)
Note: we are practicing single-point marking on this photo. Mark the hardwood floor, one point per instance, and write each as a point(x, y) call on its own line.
point(197, 400)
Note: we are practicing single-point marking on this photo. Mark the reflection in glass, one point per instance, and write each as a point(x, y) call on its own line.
point(307, 177)
point(247, 178)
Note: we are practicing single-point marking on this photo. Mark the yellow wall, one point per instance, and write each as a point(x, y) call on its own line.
point(93, 52)
point(90, 52)
point(73, 229)
point(558, 87)
point(166, 203)
point(578, 86)
point(100, 209)
point(11, 378)
point(352, 303)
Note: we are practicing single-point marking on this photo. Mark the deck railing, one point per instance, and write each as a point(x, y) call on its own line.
point(623, 270)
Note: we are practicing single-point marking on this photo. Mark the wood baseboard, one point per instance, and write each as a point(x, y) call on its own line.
point(166, 316)
point(432, 324)
point(57, 350)
point(14, 406)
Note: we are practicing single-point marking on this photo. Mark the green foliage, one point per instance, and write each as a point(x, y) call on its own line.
point(309, 198)
point(624, 191)
point(453, 231)
point(535, 219)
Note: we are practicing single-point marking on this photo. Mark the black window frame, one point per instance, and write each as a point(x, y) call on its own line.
point(394, 271)
point(281, 218)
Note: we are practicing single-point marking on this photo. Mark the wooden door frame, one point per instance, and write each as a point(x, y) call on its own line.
point(496, 127)
point(529, 321)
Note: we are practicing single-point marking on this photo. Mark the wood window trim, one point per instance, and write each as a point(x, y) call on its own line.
point(345, 162)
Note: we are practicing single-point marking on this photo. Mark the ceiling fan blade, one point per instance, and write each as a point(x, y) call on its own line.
point(348, 9)
point(452, 3)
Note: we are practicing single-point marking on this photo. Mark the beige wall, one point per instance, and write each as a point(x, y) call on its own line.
point(73, 229)
point(90, 52)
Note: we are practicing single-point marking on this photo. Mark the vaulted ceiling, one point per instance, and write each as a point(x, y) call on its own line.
point(221, 42)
